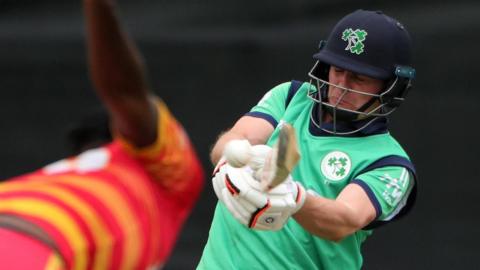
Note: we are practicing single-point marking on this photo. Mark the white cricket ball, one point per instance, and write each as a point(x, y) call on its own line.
point(238, 153)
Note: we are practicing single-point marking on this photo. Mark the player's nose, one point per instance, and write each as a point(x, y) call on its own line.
point(343, 79)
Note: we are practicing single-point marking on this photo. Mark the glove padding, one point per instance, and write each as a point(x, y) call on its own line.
point(258, 155)
point(240, 192)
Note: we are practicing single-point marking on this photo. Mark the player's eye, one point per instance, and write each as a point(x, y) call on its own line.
point(359, 78)
point(338, 70)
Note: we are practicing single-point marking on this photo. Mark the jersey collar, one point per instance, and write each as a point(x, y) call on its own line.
point(379, 126)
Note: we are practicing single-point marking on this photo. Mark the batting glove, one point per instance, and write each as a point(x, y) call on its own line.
point(240, 192)
point(258, 154)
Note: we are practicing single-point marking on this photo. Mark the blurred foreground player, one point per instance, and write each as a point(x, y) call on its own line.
point(117, 206)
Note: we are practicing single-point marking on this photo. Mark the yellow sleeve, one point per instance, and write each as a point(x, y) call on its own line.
point(171, 159)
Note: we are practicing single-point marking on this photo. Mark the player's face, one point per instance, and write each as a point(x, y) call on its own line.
point(348, 79)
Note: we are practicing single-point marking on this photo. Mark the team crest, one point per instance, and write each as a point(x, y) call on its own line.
point(336, 165)
point(355, 40)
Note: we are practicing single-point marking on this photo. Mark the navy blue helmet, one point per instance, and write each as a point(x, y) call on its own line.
point(372, 44)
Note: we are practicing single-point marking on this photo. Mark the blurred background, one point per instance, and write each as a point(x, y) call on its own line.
point(212, 60)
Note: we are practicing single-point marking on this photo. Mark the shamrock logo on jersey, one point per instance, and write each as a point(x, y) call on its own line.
point(355, 40)
point(336, 165)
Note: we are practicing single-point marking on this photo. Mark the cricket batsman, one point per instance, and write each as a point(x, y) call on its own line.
point(352, 177)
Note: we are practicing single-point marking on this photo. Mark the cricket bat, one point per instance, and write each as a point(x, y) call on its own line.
point(283, 158)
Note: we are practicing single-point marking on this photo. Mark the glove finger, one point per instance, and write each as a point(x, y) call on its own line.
point(243, 208)
point(227, 200)
point(255, 197)
point(218, 185)
point(242, 178)
point(219, 165)
point(278, 204)
point(248, 205)
point(259, 153)
point(235, 180)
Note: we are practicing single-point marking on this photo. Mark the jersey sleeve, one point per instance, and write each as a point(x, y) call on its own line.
point(19, 251)
point(272, 105)
point(388, 189)
point(171, 160)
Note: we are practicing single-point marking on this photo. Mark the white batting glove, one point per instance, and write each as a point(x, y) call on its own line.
point(239, 153)
point(240, 192)
point(218, 177)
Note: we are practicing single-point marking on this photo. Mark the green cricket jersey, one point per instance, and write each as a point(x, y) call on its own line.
point(371, 158)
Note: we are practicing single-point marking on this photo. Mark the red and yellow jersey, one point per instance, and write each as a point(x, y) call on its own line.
point(114, 207)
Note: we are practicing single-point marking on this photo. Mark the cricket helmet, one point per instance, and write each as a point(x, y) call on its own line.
point(368, 43)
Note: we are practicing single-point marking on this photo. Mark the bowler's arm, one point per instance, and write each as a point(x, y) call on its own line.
point(118, 74)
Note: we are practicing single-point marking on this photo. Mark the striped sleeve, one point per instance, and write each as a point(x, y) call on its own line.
point(93, 220)
point(19, 251)
point(104, 209)
point(171, 159)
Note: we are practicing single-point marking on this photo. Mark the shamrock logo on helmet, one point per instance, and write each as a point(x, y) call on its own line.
point(355, 40)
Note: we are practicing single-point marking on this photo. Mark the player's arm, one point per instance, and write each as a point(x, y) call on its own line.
point(259, 124)
point(118, 74)
point(374, 196)
point(335, 219)
point(255, 130)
